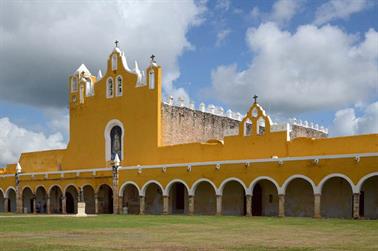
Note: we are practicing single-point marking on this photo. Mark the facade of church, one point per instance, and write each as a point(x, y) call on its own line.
point(178, 160)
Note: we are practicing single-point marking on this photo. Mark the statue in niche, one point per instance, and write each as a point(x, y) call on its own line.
point(116, 145)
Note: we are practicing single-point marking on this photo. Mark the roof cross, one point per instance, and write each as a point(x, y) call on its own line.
point(116, 43)
point(152, 58)
point(255, 98)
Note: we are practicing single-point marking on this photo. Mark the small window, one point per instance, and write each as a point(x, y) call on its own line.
point(152, 79)
point(119, 86)
point(109, 88)
point(114, 62)
point(260, 126)
point(74, 84)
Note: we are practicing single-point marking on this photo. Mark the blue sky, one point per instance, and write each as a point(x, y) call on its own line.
point(313, 60)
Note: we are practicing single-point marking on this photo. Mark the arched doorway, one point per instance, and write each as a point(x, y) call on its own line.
point(27, 200)
point(41, 200)
point(2, 209)
point(178, 198)
point(369, 198)
point(264, 199)
point(56, 200)
point(336, 199)
point(130, 199)
point(12, 200)
point(233, 199)
point(153, 199)
point(105, 200)
point(299, 198)
point(205, 200)
point(71, 195)
point(89, 199)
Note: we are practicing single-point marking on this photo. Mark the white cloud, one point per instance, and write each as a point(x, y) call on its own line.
point(43, 43)
point(282, 12)
point(223, 5)
point(15, 139)
point(307, 70)
point(339, 9)
point(346, 122)
point(221, 36)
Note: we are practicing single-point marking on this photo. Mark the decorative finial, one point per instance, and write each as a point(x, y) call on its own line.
point(152, 58)
point(116, 43)
point(255, 98)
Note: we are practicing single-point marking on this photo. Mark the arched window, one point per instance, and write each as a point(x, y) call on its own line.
point(114, 62)
point(74, 84)
point(116, 142)
point(260, 126)
point(248, 127)
point(109, 88)
point(119, 86)
point(152, 79)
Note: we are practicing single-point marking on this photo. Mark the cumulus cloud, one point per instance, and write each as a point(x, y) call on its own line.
point(282, 12)
point(15, 139)
point(42, 43)
point(339, 9)
point(310, 69)
point(346, 122)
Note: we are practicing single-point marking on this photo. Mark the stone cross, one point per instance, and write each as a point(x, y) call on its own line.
point(255, 98)
point(116, 43)
point(152, 58)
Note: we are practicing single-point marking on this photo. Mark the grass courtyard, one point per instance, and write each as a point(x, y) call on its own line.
point(109, 232)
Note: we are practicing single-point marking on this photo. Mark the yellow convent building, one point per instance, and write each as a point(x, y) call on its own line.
point(131, 153)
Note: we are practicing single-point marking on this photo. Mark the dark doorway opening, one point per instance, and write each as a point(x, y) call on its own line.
point(70, 204)
point(362, 204)
point(257, 201)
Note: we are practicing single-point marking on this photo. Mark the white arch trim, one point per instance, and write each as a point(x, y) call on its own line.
point(337, 175)
point(169, 186)
point(363, 179)
point(299, 176)
point(25, 187)
point(7, 191)
point(103, 184)
point(52, 186)
point(197, 182)
point(108, 128)
point(88, 184)
point(123, 187)
point(77, 188)
point(260, 178)
point(143, 190)
point(222, 185)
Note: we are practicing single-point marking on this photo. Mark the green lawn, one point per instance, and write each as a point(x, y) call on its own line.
point(108, 232)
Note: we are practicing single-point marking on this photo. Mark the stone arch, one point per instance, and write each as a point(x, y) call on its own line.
point(129, 192)
point(299, 176)
point(52, 186)
point(299, 196)
point(233, 193)
point(224, 182)
point(11, 195)
point(265, 191)
point(123, 186)
point(368, 189)
point(2, 199)
point(340, 175)
point(109, 126)
point(168, 187)
point(153, 195)
point(105, 199)
point(71, 194)
point(144, 187)
point(56, 194)
point(77, 188)
point(178, 194)
point(27, 200)
point(89, 198)
point(205, 201)
point(41, 199)
point(336, 196)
